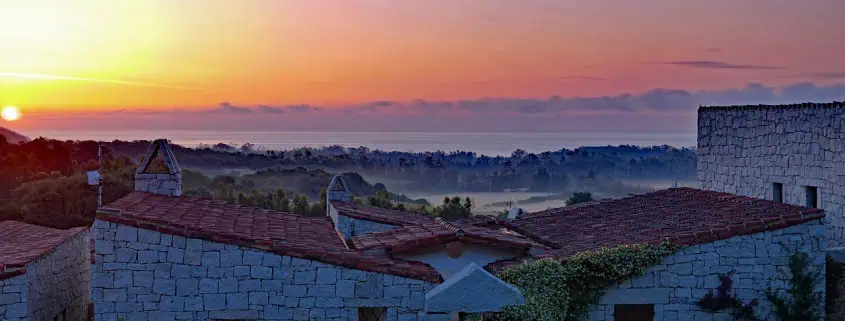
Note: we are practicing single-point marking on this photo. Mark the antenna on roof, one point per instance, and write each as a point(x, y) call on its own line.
point(96, 178)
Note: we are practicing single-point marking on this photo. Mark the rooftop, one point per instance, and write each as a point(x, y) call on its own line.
point(685, 216)
point(311, 238)
point(22, 243)
point(379, 215)
point(440, 232)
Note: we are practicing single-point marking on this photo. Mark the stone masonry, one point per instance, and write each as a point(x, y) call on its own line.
point(13, 298)
point(744, 150)
point(54, 286)
point(143, 274)
point(351, 227)
point(757, 262)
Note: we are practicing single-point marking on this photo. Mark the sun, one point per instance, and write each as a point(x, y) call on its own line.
point(10, 113)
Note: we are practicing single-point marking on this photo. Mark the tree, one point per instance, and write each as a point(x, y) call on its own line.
point(541, 181)
point(579, 197)
point(454, 209)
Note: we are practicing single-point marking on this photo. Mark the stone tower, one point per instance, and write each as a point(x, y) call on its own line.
point(787, 153)
point(159, 173)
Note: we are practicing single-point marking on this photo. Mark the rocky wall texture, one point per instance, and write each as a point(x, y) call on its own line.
point(164, 184)
point(13, 298)
point(757, 262)
point(143, 274)
point(54, 287)
point(59, 282)
point(351, 227)
point(744, 150)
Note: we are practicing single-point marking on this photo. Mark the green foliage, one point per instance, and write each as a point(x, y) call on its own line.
point(579, 197)
point(724, 299)
point(564, 290)
point(454, 209)
point(800, 301)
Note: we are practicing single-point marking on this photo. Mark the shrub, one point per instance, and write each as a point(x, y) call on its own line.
point(564, 290)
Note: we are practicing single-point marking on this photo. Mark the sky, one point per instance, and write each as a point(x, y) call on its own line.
point(434, 65)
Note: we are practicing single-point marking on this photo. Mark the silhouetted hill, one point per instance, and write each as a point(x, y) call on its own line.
point(12, 137)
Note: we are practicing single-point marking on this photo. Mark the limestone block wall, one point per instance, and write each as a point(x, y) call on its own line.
point(744, 150)
point(165, 184)
point(350, 227)
point(143, 274)
point(757, 262)
point(59, 282)
point(13, 298)
point(54, 286)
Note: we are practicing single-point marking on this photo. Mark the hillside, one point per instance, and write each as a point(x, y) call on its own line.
point(12, 137)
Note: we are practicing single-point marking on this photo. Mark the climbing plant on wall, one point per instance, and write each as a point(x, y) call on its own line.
point(564, 290)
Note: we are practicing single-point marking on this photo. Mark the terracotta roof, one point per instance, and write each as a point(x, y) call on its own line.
point(685, 216)
point(834, 104)
point(419, 236)
point(311, 238)
point(379, 215)
point(22, 243)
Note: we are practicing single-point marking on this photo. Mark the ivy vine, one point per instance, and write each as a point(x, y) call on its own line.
point(564, 290)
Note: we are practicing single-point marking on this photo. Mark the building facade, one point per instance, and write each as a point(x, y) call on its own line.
point(786, 153)
point(44, 273)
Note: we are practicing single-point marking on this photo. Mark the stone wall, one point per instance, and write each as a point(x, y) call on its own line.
point(13, 297)
point(59, 282)
point(164, 184)
point(758, 262)
point(146, 275)
point(351, 227)
point(744, 150)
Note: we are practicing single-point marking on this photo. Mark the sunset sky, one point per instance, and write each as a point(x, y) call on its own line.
point(355, 64)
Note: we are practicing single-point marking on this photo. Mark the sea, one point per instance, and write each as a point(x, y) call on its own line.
point(491, 143)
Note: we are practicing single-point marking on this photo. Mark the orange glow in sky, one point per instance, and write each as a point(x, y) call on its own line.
point(106, 54)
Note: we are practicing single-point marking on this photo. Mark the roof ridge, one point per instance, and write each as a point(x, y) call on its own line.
point(451, 227)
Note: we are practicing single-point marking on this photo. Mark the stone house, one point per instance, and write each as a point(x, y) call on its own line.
point(44, 273)
point(163, 256)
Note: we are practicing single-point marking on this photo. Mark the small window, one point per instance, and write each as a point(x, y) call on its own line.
point(372, 314)
point(633, 312)
point(777, 192)
point(812, 196)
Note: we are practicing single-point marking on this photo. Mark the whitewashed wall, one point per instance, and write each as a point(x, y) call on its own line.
point(744, 151)
point(146, 275)
point(758, 262)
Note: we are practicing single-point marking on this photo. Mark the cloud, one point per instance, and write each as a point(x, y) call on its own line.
point(226, 107)
point(714, 50)
point(829, 75)
point(270, 109)
point(711, 64)
point(95, 80)
point(655, 101)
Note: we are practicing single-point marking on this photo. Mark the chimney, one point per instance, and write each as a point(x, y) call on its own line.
point(159, 173)
point(337, 191)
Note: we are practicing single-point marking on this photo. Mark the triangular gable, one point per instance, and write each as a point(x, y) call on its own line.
point(159, 147)
point(337, 190)
point(337, 185)
point(472, 290)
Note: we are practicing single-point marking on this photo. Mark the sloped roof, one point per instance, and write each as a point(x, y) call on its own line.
point(311, 238)
point(439, 232)
point(684, 216)
point(379, 215)
point(22, 243)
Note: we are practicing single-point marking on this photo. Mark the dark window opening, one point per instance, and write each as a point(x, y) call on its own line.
point(812, 196)
point(777, 192)
point(372, 314)
point(633, 312)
